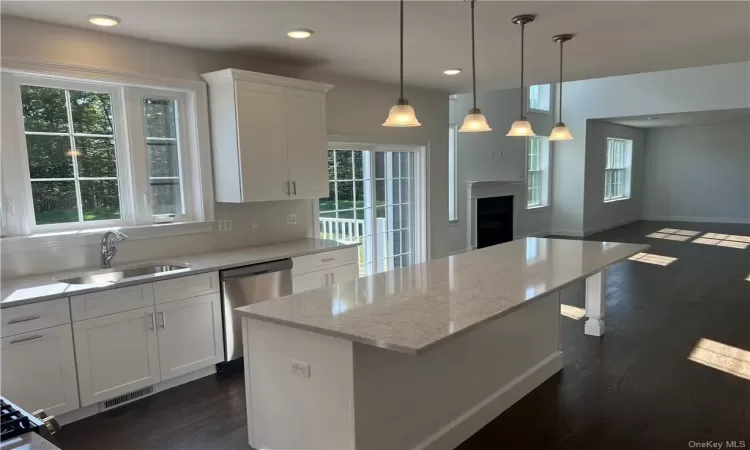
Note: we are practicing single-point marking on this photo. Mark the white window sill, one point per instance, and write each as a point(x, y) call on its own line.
point(538, 111)
point(453, 223)
point(614, 200)
point(535, 207)
point(62, 239)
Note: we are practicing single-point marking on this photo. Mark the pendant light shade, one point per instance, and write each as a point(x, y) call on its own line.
point(561, 132)
point(402, 114)
point(474, 122)
point(522, 126)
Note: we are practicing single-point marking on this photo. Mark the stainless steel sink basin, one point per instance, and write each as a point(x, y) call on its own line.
point(114, 275)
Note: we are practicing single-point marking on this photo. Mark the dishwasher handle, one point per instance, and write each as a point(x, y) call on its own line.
point(256, 269)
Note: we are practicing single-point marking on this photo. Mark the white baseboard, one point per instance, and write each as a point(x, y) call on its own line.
point(697, 219)
point(468, 423)
point(571, 233)
point(91, 410)
point(610, 226)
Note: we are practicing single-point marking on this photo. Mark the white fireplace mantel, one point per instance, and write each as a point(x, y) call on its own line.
point(495, 188)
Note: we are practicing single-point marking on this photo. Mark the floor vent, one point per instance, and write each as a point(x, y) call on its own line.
point(126, 398)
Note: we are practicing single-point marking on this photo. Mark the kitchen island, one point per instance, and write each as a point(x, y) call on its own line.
point(420, 357)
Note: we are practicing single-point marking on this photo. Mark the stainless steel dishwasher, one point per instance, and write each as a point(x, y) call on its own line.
point(247, 285)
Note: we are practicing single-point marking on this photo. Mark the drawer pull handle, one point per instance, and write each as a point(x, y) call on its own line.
point(30, 338)
point(327, 259)
point(22, 319)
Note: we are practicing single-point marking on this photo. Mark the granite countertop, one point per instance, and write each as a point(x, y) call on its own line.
point(415, 308)
point(19, 291)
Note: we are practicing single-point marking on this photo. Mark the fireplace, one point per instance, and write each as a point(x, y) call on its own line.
point(493, 209)
point(494, 220)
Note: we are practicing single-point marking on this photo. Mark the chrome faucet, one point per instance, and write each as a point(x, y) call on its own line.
point(108, 246)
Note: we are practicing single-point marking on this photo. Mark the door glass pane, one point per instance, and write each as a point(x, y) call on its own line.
point(54, 202)
point(100, 200)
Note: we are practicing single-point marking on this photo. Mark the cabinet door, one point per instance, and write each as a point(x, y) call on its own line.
point(189, 333)
point(38, 370)
point(307, 142)
point(116, 354)
point(344, 274)
point(262, 142)
point(309, 281)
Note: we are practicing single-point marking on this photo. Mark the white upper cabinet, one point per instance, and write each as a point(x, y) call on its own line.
point(269, 137)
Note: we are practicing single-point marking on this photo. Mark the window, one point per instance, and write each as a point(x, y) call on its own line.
point(85, 160)
point(617, 169)
point(453, 172)
point(537, 172)
point(373, 200)
point(540, 97)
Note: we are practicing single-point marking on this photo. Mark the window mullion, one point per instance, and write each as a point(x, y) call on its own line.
point(74, 153)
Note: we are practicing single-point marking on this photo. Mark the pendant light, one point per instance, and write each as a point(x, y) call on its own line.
point(561, 132)
point(402, 114)
point(522, 127)
point(475, 120)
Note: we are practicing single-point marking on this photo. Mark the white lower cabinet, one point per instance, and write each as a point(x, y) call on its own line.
point(322, 278)
point(38, 370)
point(189, 335)
point(116, 354)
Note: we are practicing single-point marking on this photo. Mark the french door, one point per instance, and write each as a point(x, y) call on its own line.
point(373, 199)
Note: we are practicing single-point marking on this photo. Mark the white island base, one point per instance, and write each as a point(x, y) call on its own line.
point(366, 398)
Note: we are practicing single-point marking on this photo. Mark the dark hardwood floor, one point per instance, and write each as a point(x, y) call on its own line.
point(634, 388)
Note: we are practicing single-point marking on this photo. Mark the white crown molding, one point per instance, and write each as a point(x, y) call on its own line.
point(244, 75)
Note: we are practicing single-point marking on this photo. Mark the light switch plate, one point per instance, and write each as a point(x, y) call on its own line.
point(300, 368)
point(255, 222)
point(291, 219)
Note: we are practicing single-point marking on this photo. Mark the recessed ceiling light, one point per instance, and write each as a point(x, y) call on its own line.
point(300, 33)
point(104, 21)
point(452, 71)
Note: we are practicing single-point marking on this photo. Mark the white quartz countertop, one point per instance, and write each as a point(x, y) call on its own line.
point(20, 291)
point(415, 308)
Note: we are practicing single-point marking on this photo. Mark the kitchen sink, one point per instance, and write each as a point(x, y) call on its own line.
point(115, 275)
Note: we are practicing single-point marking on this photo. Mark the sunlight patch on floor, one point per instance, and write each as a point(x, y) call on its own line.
point(572, 312)
point(748, 278)
point(726, 358)
point(673, 234)
point(722, 240)
point(650, 258)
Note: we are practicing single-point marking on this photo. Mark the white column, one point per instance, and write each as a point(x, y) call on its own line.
point(595, 304)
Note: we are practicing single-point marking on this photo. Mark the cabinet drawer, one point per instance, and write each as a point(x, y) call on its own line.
point(113, 301)
point(325, 260)
point(186, 287)
point(35, 316)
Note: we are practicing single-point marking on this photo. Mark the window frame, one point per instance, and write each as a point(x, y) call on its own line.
point(453, 214)
point(197, 157)
point(549, 91)
point(624, 163)
point(544, 170)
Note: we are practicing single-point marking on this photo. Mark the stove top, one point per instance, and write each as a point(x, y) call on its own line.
point(16, 421)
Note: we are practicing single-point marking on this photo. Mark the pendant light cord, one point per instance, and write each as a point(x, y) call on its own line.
point(559, 94)
point(523, 25)
point(473, 56)
point(402, 49)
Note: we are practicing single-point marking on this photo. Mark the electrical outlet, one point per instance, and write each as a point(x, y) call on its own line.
point(291, 219)
point(299, 368)
point(220, 225)
point(255, 222)
point(228, 225)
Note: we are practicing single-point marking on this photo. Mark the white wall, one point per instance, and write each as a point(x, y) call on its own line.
point(492, 156)
point(355, 108)
point(611, 214)
point(698, 173)
point(695, 89)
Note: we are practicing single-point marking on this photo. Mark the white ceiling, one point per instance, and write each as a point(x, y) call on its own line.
point(360, 38)
point(725, 116)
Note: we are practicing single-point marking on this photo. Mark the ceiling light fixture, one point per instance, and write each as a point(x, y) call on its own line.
point(560, 132)
point(402, 114)
point(300, 33)
point(104, 21)
point(452, 71)
point(522, 127)
point(475, 121)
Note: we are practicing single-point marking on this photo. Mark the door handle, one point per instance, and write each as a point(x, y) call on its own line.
point(152, 327)
point(163, 320)
point(288, 188)
point(333, 279)
point(22, 319)
point(294, 186)
point(325, 280)
point(30, 338)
